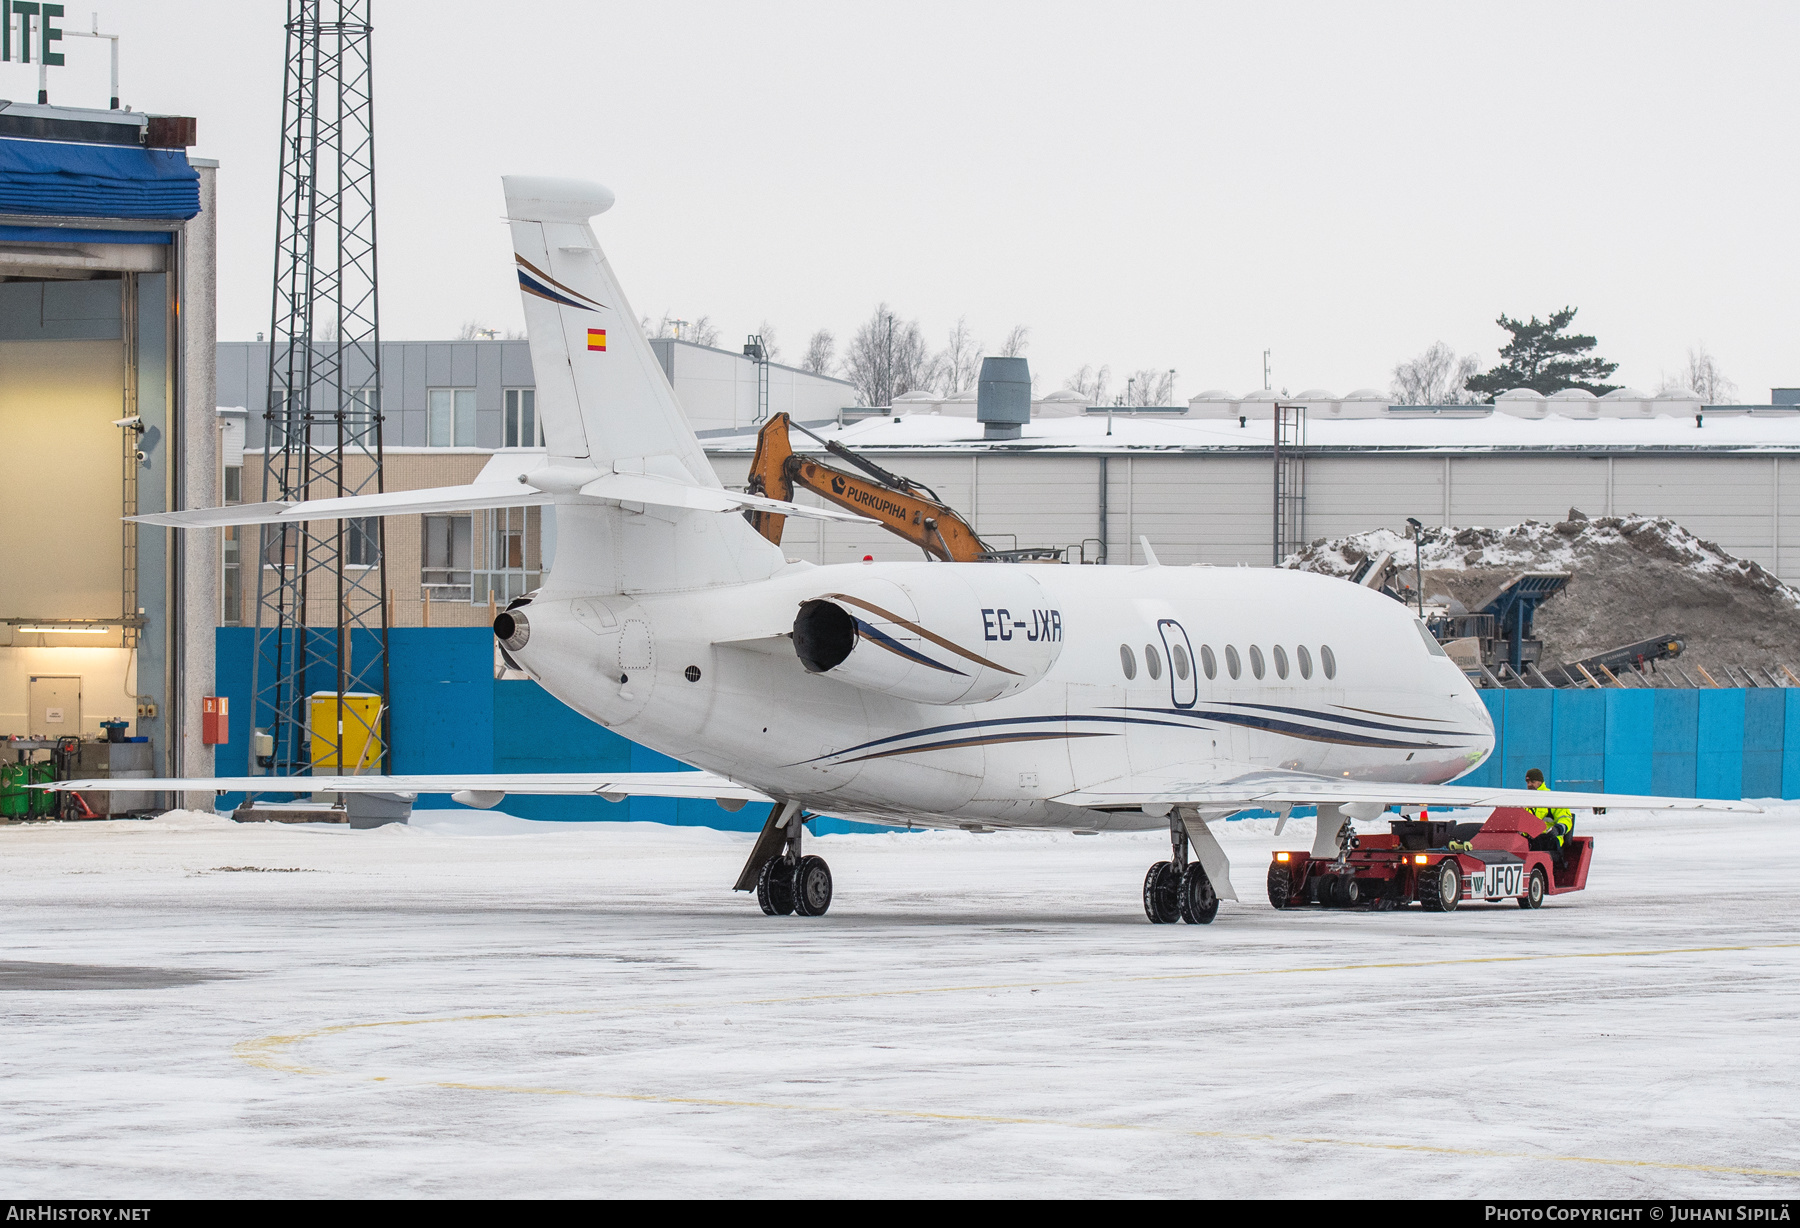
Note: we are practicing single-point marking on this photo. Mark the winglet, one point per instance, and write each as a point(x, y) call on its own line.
point(1148, 552)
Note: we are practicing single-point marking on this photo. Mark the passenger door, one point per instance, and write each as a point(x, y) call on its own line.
point(1184, 687)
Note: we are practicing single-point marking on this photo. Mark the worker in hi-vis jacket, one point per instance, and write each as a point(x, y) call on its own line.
point(1559, 824)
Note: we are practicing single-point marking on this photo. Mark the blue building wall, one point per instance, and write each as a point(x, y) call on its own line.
point(450, 714)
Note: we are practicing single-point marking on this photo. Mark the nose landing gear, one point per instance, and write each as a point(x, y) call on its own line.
point(1178, 889)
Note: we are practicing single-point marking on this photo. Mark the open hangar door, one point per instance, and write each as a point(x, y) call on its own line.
point(105, 278)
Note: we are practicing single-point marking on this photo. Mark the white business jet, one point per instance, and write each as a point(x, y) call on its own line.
point(977, 696)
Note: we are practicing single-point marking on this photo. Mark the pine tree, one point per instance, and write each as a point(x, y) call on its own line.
point(1545, 358)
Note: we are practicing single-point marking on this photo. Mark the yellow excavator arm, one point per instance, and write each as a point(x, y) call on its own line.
point(902, 507)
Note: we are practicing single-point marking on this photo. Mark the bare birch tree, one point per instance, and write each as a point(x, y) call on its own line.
point(1702, 375)
point(766, 331)
point(1150, 387)
point(1016, 341)
point(960, 363)
point(1090, 383)
point(888, 358)
point(820, 352)
point(1436, 377)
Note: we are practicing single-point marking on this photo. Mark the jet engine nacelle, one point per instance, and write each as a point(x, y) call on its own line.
point(955, 633)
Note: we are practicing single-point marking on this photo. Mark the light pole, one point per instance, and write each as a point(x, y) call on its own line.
point(1418, 531)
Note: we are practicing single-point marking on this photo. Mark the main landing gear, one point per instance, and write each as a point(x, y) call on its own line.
point(786, 880)
point(1178, 889)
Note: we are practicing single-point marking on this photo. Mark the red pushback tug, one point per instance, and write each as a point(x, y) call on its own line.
point(1414, 862)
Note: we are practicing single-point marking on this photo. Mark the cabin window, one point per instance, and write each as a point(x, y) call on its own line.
point(1256, 662)
point(1179, 659)
point(1327, 661)
point(1281, 664)
point(1152, 662)
point(1127, 662)
point(1305, 659)
point(1232, 666)
point(1208, 662)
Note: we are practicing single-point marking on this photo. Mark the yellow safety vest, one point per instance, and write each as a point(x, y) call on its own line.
point(1557, 821)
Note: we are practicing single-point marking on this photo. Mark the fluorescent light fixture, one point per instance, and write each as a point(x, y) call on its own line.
point(65, 630)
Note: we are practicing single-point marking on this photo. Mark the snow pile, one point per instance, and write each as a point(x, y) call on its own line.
point(1633, 577)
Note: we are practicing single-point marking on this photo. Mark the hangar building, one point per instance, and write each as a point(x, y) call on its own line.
point(106, 407)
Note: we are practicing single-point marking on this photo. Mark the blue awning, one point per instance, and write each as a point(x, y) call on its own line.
point(60, 179)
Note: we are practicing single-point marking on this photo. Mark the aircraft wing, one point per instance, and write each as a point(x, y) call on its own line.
point(1268, 790)
point(613, 786)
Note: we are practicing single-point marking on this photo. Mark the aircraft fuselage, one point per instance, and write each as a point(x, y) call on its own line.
point(1108, 671)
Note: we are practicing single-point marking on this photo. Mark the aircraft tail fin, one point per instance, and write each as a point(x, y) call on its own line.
point(607, 409)
point(601, 392)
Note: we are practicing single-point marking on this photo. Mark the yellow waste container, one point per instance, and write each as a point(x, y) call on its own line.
point(345, 741)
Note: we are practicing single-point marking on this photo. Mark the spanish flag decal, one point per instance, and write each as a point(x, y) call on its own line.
point(596, 338)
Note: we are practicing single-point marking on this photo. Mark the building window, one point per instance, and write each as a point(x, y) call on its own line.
point(365, 410)
point(521, 419)
point(512, 555)
point(362, 541)
point(446, 556)
point(450, 422)
point(232, 581)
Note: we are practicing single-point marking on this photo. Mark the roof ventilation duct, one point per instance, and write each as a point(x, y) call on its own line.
point(1003, 397)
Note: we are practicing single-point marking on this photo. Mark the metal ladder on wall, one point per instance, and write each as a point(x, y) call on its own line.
point(1289, 479)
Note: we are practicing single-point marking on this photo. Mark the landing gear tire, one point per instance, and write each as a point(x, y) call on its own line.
point(1344, 889)
point(1199, 902)
point(1162, 889)
point(1440, 887)
point(1534, 890)
point(812, 887)
point(775, 887)
point(1281, 886)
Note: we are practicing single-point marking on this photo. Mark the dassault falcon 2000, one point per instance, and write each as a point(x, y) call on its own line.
point(972, 695)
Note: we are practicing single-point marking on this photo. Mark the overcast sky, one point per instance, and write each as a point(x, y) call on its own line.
point(1143, 185)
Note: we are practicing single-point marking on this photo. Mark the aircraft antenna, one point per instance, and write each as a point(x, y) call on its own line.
point(321, 612)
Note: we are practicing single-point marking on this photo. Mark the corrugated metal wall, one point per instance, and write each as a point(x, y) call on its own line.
point(1209, 507)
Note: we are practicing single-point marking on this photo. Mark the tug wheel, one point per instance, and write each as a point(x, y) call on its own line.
point(1199, 902)
point(1534, 890)
point(1161, 889)
point(1281, 885)
point(812, 887)
point(1440, 887)
point(775, 887)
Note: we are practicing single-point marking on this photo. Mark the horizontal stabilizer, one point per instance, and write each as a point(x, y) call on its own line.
point(614, 786)
point(388, 503)
point(623, 487)
point(645, 488)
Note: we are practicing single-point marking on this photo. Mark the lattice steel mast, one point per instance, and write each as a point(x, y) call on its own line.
point(321, 617)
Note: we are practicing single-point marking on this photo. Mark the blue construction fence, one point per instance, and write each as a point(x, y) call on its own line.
point(1726, 743)
point(450, 714)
